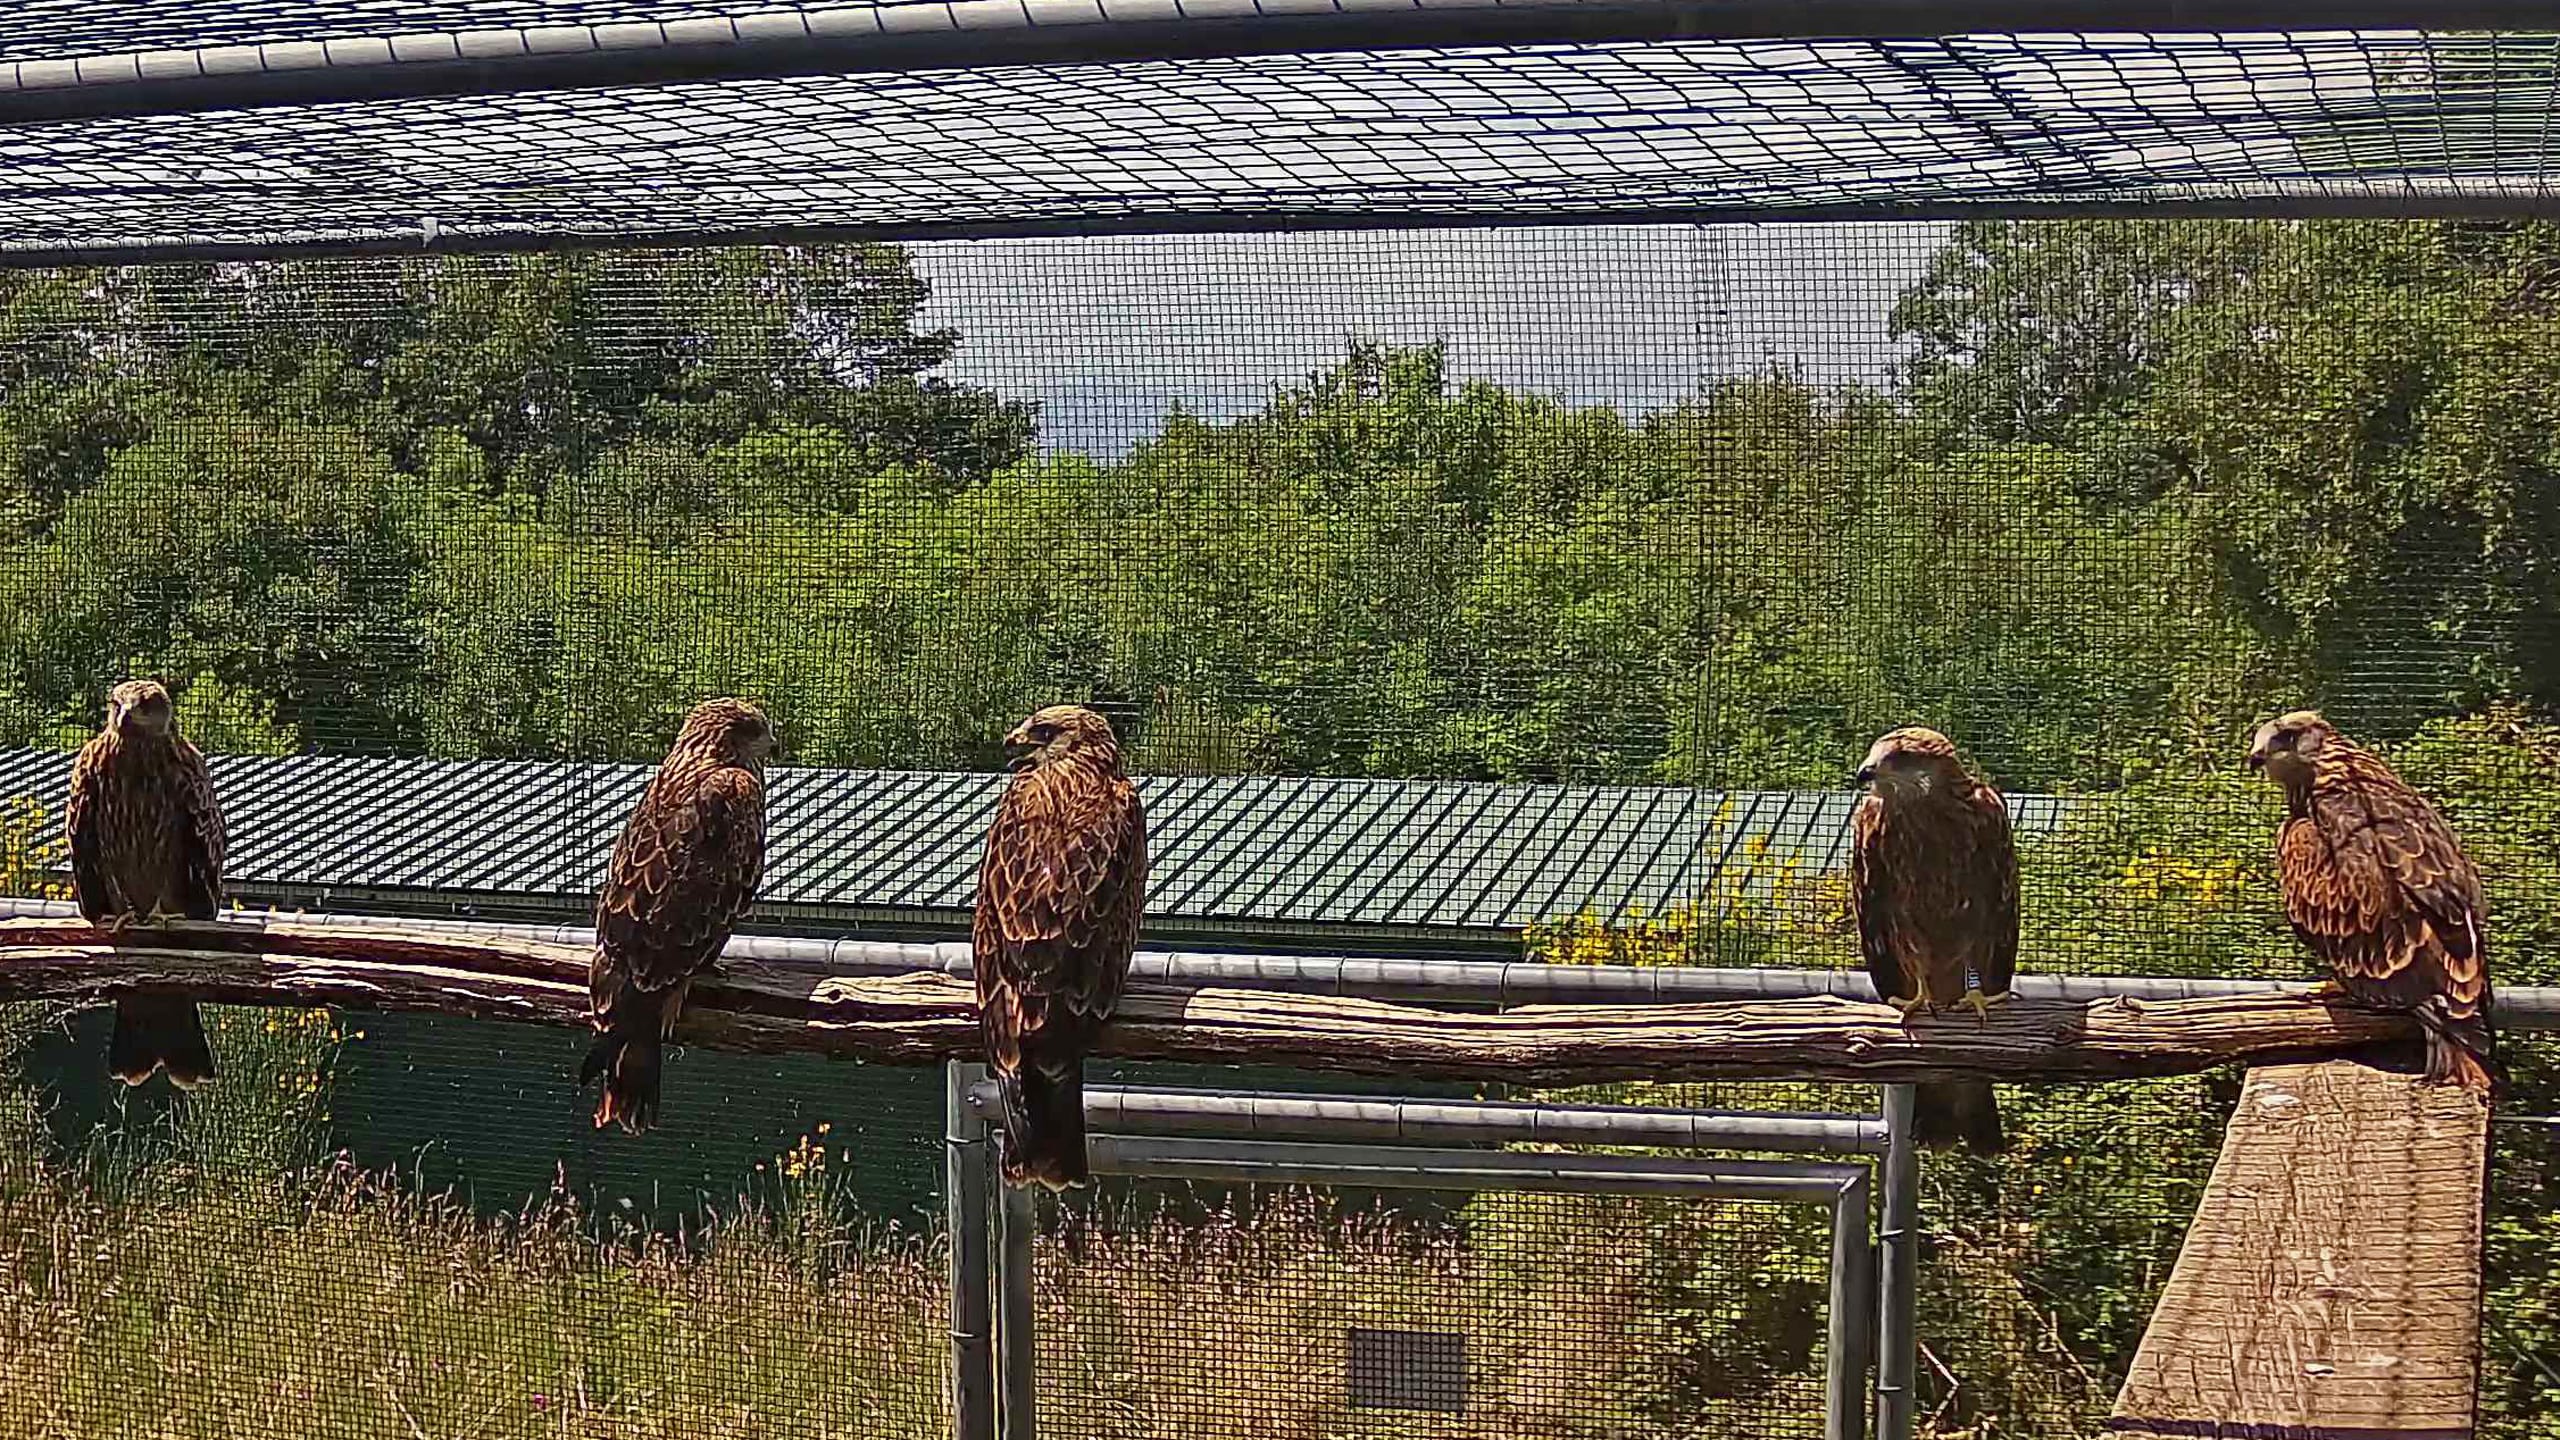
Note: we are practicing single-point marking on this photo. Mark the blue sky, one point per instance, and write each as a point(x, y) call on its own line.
point(1108, 333)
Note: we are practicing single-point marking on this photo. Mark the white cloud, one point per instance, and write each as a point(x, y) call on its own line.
point(1109, 332)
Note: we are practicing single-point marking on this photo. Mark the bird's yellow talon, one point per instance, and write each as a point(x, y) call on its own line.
point(1907, 1005)
point(1981, 1004)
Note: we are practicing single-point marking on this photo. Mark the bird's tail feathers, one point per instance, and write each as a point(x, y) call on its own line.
point(1963, 1112)
point(155, 1032)
point(2459, 1050)
point(1044, 1127)
point(626, 1053)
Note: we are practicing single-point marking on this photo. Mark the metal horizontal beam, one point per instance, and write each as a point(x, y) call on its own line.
point(1448, 982)
point(1281, 1162)
point(1125, 1110)
point(2364, 198)
point(905, 35)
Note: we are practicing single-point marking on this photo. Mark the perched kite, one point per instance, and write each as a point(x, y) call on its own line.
point(683, 872)
point(146, 844)
point(1060, 891)
point(1933, 875)
point(2377, 885)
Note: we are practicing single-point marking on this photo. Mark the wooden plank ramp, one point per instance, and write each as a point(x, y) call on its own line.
point(2329, 1287)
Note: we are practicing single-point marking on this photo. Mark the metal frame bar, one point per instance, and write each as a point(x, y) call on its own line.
point(966, 1176)
point(1898, 1261)
point(1849, 1348)
point(1842, 1188)
point(1276, 1115)
point(1188, 1134)
point(1445, 982)
point(2400, 200)
point(1017, 1353)
point(972, 34)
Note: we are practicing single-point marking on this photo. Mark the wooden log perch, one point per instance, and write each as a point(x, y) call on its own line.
point(926, 1017)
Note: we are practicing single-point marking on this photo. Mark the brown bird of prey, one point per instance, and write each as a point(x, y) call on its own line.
point(2378, 887)
point(1933, 875)
point(687, 865)
point(146, 843)
point(1060, 890)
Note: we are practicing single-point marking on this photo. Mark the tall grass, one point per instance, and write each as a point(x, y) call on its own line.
point(212, 1272)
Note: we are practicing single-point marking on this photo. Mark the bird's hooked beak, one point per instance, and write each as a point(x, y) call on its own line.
point(133, 719)
point(1868, 767)
point(2259, 744)
point(1866, 774)
point(1018, 749)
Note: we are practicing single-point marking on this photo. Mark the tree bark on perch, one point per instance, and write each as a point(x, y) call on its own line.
point(930, 1017)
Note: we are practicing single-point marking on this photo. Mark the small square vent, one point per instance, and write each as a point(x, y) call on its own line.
point(1408, 1369)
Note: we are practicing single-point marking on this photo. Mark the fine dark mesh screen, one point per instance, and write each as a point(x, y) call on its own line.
point(1446, 587)
point(2520, 1319)
point(1266, 1310)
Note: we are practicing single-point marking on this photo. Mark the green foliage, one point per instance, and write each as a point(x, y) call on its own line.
point(2353, 423)
point(274, 557)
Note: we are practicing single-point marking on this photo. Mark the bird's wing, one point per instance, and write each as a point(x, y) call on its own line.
point(1120, 905)
point(202, 842)
point(1060, 891)
point(82, 819)
point(1991, 879)
point(1870, 896)
point(2378, 886)
point(682, 874)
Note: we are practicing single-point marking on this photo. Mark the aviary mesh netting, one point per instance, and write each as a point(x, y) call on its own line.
point(1496, 591)
point(2367, 121)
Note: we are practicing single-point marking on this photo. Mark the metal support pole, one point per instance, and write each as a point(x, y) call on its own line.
point(965, 1175)
point(1017, 1348)
point(1898, 1241)
point(1852, 1312)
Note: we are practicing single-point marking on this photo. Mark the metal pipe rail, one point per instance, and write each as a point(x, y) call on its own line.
point(905, 35)
point(1444, 982)
point(1266, 1115)
point(968, 1171)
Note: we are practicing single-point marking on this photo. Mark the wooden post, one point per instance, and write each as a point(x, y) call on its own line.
point(2330, 1283)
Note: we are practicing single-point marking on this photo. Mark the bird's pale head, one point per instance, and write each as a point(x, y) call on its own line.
point(733, 729)
point(1913, 760)
point(2288, 746)
point(140, 707)
point(1062, 732)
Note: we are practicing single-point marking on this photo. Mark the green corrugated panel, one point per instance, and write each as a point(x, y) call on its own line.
point(850, 846)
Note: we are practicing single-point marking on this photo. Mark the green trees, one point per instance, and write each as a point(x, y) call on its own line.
point(2352, 423)
point(381, 502)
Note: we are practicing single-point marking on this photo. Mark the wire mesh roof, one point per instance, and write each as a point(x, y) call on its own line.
point(53, 28)
point(2332, 122)
point(1246, 854)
